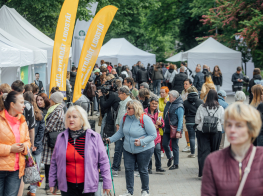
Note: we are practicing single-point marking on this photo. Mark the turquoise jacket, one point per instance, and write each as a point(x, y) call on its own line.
point(132, 130)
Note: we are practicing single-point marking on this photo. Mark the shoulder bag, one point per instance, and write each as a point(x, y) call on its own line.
point(246, 172)
point(52, 138)
point(173, 130)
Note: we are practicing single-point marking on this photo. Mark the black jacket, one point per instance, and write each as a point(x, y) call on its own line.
point(251, 84)
point(40, 86)
point(190, 107)
point(134, 72)
point(118, 70)
point(142, 75)
point(97, 81)
point(108, 102)
point(235, 77)
point(72, 79)
point(145, 103)
point(178, 82)
point(199, 80)
point(217, 80)
point(39, 135)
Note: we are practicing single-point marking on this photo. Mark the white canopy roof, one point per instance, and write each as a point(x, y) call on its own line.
point(40, 56)
point(176, 58)
point(119, 50)
point(14, 55)
point(213, 53)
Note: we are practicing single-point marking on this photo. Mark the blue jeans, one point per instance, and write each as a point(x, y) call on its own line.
point(117, 155)
point(175, 147)
point(157, 156)
point(157, 86)
point(9, 183)
point(191, 133)
point(143, 159)
point(99, 191)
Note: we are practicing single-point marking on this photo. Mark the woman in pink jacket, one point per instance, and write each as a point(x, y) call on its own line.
point(152, 112)
point(224, 170)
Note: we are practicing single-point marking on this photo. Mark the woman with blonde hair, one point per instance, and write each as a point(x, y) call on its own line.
point(225, 171)
point(257, 91)
point(207, 86)
point(78, 155)
point(139, 134)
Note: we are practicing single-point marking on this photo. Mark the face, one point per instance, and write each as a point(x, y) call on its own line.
point(153, 105)
point(37, 76)
point(130, 110)
point(238, 72)
point(113, 72)
point(122, 96)
point(74, 122)
point(237, 132)
point(171, 98)
point(187, 85)
point(40, 102)
point(18, 106)
point(104, 73)
point(163, 93)
point(216, 68)
point(141, 87)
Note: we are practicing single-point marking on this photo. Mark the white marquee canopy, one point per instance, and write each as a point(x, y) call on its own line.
point(119, 50)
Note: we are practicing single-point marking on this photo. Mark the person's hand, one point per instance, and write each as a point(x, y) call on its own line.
point(137, 142)
point(34, 149)
point(165, 100)
point(158, 122)
point(17, 148)
point(108, 140)
point(151, 81)
point(156, 126)
point(100, 94)
point(178, 135)
point(106, 191)
point(117, 127)
point(52, 190)
point(42, 88)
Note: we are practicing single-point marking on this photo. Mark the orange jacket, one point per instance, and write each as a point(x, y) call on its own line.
point(7, 139)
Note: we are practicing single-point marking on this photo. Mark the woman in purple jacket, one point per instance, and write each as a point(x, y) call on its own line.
point(76, 157)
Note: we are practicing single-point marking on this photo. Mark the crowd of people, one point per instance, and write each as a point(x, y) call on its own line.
point(144, 112)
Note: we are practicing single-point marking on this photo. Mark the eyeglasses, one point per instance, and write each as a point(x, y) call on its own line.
point(129, 108)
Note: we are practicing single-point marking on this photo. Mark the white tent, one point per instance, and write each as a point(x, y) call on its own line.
point(176, 58)
point(13, 23)
point(213, 53)
point(121, 51)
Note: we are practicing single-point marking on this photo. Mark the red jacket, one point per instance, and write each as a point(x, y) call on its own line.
point(154, 119)
point(109, 69)
point(221, 174)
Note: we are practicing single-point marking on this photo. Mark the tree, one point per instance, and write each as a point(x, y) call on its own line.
point(242, 20)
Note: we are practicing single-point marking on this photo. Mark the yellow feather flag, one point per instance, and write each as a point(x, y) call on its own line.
point(91, 47)
point(62, 43)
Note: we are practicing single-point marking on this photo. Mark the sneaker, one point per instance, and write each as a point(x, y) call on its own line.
point(186, 149)
point(191, 156)
point(162, 154)
point(136, 174)
point(115, 173)
point(195, 146)
point(126, 194)
point(144, 193)
point(47, 187)
point(160, 170)
point(30, 194)
point(174, 167)
point(48, 192)
point(150, 171)
point(170, 162)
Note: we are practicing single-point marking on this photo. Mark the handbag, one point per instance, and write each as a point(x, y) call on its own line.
point(32, 174)
point(210, 123)
point(246, 171)
point(52, 138)
point(173, 130)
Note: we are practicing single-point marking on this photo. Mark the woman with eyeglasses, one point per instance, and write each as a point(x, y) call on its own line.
point(139, 134)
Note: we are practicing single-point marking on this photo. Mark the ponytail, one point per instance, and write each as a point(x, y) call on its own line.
point(7, 99)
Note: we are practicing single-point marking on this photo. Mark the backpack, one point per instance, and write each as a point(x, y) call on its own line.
point(210, 123)
point(90, 90)
point(141, 119)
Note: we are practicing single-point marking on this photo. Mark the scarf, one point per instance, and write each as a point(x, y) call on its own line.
point(50, 110)
point(76, 134)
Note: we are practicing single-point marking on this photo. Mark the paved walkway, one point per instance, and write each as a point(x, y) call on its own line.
point(180, 182)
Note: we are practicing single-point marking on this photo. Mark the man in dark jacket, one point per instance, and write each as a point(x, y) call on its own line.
point(256, 76)
point(39, 83)
point(142, 75)
point(72, 79)
point(178, 82)
point(135, 70)
point(109, 103)
point(198, 79)
point(191, 105)
point(237, 79)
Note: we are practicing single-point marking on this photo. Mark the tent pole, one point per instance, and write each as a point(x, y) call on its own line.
point(33, 72)
point(0, 75)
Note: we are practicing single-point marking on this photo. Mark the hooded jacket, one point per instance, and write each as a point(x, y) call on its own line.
point(251, 84)
point(142, 75)
point(199, 80)
point(7, 139)
point(222, 102)
point(178, 82)
point(157, 74)
point(169, 75)
point(191, 105)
